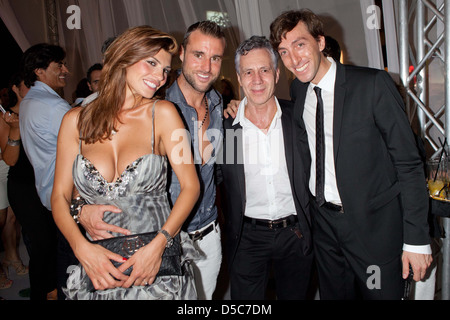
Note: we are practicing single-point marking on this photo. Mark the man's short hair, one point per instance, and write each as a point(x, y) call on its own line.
point(95, 67)
point(207, 27)
point(107, 43)
point(39, 56)
point(288, 20)
point(255, 42)
point(332, 48)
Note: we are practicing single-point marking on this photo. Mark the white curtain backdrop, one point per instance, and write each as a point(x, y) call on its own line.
point(390, 29)
point(188, 12)
point(12, 23)
point(249, 18)
point(101, 19)
point(96, 35)
point(374, 52)
point(135, 12)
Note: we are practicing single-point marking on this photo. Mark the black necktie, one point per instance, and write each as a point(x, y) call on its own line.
point(320, 150)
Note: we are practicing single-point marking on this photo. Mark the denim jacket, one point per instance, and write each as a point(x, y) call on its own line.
point(205, 210)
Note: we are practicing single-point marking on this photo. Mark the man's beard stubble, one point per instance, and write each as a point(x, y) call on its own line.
point(190, 79)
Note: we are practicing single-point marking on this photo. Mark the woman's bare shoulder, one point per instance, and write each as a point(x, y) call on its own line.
point(71, 118)
point(165, 104)
point(73, 113)
point(165, 109)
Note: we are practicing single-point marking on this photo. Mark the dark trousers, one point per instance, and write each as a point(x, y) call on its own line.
point(260, 249)
point(40, 231)
point(346, 271)
point(65, 259)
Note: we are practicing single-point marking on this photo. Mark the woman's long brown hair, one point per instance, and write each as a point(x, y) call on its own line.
point(97, 120)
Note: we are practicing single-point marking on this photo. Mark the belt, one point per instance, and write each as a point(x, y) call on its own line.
point(273, 224)
point(198, 235)
point(333, 207)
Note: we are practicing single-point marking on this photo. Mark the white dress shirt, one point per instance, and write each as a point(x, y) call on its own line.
point(267, 185)
point(309, 116)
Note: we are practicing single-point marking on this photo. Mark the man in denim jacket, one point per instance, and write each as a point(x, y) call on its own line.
point(201, 108)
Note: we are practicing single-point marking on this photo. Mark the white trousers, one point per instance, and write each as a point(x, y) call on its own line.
point(207, 267)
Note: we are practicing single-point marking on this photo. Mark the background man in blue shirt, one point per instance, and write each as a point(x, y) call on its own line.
point(41, 112)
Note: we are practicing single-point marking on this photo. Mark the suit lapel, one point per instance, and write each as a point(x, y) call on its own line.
point(288, 141)
point(239, 161)
point(296, 179)
point(339, 97)
point(300, 99)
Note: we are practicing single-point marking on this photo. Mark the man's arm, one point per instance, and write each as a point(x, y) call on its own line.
point(90, 216)
point(231, 109)
point(419, 263)
point(393, 124)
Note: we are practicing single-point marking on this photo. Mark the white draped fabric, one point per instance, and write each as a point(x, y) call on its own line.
point(135, 12)
point(98, 31)
point(390, 29)
point(12, 23)
point(345, 20)
point(188, 12)
point(249, 18)
point(372, 25)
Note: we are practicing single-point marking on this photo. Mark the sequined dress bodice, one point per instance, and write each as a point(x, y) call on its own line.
point(140, 192)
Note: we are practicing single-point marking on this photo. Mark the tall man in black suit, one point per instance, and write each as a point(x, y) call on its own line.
point(370, 203)
point(266, 207)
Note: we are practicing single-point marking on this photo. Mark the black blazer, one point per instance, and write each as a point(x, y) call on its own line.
point(379, 171)
point(233, 183)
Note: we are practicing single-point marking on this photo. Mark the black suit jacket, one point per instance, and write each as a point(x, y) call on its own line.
point(379, 171)
point(233, 184)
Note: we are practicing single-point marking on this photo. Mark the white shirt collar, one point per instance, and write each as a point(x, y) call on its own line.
point(243, 121)
point(328, 80)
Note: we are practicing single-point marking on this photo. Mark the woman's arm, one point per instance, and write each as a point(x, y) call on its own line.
point(176, 144)
point(67, 149)
point(9, 129)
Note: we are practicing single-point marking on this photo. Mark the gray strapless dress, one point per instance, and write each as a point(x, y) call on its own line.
point(140, 192)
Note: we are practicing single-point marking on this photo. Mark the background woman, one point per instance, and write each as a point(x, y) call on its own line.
point(11, 148)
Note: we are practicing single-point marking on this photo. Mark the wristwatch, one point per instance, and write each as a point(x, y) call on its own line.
point(169, 238)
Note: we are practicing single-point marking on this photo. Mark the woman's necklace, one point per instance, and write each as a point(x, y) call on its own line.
point(206, 113)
